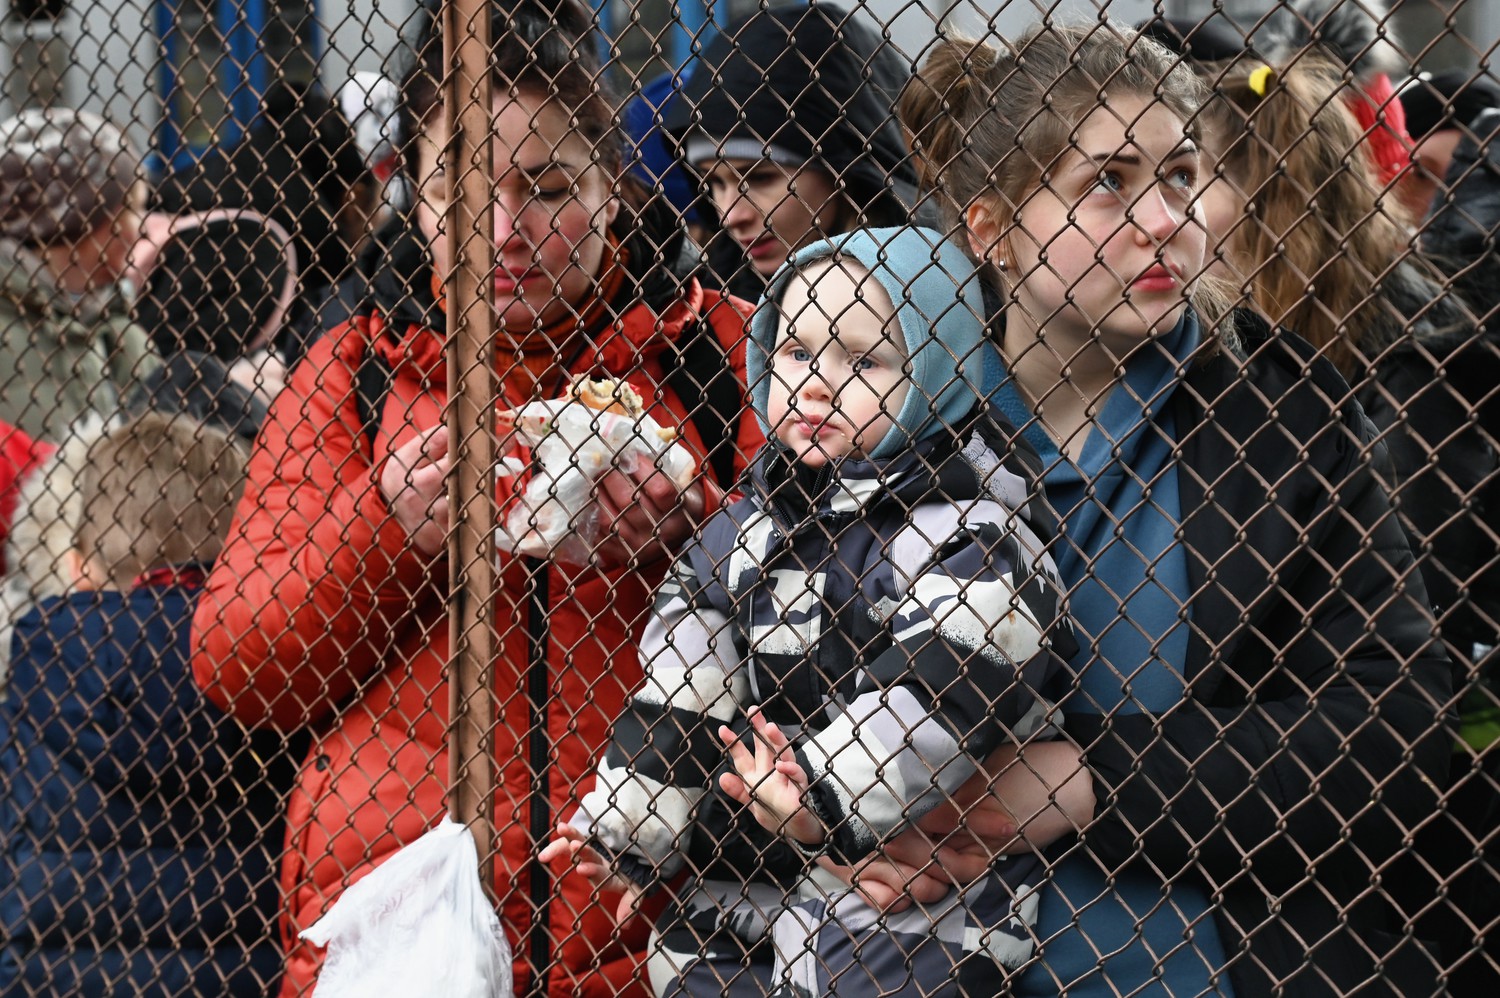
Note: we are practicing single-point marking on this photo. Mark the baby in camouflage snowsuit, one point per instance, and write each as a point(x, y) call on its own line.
point(876, 616)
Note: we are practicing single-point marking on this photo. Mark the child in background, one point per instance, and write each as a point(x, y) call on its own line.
point(881, 596)
point(139, 824)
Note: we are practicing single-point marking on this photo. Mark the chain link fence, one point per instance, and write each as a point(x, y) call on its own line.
point(1079, 575)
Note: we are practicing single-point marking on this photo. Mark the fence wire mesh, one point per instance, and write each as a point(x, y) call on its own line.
point(1079, 575)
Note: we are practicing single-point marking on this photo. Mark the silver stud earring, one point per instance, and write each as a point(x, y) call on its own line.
point(1000, 263)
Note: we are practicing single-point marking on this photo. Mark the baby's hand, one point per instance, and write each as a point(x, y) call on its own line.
point(770, 782)
point(570, 844)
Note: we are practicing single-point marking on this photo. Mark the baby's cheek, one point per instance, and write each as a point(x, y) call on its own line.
point(776, 411)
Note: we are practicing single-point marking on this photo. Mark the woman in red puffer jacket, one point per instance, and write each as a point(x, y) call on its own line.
point(329, 605)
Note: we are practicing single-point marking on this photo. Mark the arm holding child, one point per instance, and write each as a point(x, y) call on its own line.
point(969, 603)
point(1014, 802)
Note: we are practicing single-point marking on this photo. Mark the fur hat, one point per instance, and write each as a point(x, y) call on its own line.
point(62, 173)
point(938, 300)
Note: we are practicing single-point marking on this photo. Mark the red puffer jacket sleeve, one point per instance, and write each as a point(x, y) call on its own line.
point(317, 576)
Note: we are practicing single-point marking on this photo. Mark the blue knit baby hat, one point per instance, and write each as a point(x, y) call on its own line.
point(936, 293)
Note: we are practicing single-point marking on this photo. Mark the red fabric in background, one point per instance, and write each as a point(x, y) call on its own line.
point(1381, 116)
point(19, 455)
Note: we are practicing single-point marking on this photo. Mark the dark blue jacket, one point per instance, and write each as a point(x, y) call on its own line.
point(140, 825)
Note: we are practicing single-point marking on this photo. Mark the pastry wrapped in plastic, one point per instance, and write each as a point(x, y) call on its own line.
point(600, 425)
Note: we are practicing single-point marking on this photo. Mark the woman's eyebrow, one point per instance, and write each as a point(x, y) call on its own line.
point(1117, 156)
point(1093, 162)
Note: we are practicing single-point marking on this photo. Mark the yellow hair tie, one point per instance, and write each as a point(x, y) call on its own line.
point(1260, 80)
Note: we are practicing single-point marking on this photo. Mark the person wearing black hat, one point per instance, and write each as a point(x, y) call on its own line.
point(1452, 119)
point(298, 165)
point(1212, 40)
point(1441, 109)
point(1456, 173)
point(787, 120)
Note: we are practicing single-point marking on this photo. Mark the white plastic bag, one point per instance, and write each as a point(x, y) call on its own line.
point(574, 443)
point(419, 926)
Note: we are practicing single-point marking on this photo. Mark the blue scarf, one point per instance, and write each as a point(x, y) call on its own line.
point(1129, 594)
point(1118, 554)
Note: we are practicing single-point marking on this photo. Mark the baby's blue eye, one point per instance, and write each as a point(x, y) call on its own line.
point(800, 355)
point(864, 364)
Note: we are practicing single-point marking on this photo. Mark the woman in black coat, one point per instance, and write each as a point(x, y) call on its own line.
point(298, 166)
point(1259, 683)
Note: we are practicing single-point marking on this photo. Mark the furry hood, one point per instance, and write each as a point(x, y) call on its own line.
point(1359, 35)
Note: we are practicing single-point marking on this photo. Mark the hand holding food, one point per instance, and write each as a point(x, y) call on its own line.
point(601, 425)
point(414, 483)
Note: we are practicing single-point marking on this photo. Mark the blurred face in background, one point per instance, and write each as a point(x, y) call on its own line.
point(1221, 211)
point(103, 254)
point(770, 209)
point(553, 205)
point(1430, 160)
point(118, 239)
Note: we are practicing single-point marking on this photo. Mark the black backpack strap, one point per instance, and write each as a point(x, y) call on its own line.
point(700, 373)
point(372, 380)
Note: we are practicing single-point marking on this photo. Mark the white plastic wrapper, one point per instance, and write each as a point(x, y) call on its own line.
point(557, 514)
point(419, 926)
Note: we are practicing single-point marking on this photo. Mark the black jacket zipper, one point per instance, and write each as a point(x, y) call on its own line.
point(539, 757)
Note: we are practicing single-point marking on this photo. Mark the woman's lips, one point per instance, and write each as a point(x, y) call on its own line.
point(507, 280)
point(763, 247)
point(1158, 278)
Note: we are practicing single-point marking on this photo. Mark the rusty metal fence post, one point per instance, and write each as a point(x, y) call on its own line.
point(471, 420)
